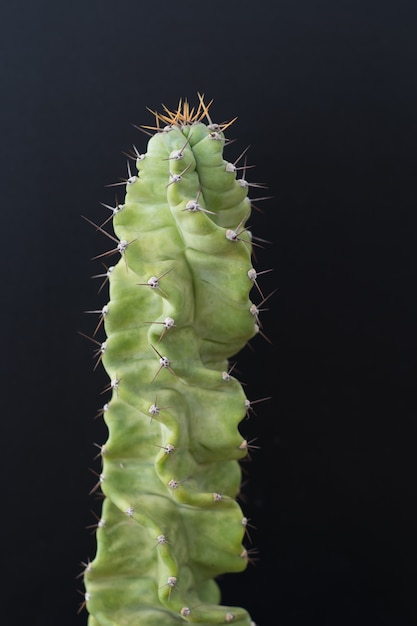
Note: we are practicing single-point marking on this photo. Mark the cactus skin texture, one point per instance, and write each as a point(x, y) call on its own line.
point(179, 308)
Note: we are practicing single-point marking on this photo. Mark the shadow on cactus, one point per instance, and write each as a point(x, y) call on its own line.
point(179, 309)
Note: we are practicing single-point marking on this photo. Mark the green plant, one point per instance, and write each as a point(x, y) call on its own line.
point(179, 310)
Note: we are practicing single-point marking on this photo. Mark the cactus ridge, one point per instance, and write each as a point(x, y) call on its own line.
point(179, 309)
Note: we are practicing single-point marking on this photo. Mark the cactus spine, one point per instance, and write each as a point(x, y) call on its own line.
point(179, 309)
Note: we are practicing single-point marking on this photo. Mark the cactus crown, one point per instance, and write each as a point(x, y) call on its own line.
point(184, 115)
point(178, 310)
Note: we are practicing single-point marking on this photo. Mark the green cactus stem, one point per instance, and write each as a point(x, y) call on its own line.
point(178, 311)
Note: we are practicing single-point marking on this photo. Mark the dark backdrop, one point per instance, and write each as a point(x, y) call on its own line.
point(326, 96)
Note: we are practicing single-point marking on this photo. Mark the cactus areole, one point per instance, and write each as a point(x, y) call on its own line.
point(179, 308)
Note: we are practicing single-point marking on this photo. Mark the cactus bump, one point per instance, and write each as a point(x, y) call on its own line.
point(179, 309)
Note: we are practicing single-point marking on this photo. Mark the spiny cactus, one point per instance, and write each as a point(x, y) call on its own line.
point(178, 311)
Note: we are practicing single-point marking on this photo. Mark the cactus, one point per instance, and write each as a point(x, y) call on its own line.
point(179, 309)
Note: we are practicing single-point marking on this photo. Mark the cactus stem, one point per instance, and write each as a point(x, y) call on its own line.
point(215, 317)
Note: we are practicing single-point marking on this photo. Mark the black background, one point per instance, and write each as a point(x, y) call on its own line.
point(326, 96)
